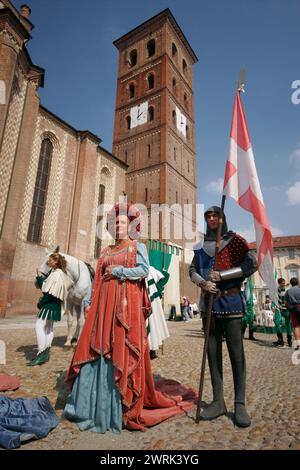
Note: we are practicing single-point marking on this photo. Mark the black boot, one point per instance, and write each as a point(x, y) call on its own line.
point(238, 364)
point(241, 417)
point(290, 340)
point(217, 407)
point(251, 336)
point(279, 342)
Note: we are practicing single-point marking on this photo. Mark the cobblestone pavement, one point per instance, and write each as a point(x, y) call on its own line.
point(273, 385)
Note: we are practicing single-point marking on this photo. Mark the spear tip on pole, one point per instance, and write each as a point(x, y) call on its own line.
point(241, 80)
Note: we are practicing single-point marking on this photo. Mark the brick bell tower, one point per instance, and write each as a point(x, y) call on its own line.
point(154, 117)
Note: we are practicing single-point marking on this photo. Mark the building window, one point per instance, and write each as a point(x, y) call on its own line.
point(294, 272)
point(174, 50)
point(188, 164)
point(149, 151)
point(174, 117)
point(151, 113)
point(146, 194)
point(133, 57)
point(150, 80)
point(175, 153)
point(187, 132)
point(40, 192)
point(131, 90)
point(291, 252)
point(184, 66)
point(128, 122)
point(126, 156)
point(176, 197)
point(101, 198)
point(174, 86)
point(185, 100)
point(151, 47)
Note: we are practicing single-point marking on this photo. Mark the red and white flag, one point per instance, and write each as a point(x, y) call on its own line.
point(242, 184)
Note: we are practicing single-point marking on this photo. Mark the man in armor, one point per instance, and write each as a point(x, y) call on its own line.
point(224, 280)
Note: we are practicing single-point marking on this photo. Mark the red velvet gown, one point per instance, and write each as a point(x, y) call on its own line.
point(115, 328)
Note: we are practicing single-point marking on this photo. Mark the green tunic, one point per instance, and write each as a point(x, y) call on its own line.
point(50, 306)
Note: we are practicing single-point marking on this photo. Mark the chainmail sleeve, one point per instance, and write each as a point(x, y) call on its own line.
point(193, 273)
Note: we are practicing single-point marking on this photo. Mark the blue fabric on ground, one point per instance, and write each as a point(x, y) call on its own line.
point(22, 419)
point(95, 402)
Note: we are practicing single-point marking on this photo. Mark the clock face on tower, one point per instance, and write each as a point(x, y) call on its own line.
point(139, 114)
point(181, 121)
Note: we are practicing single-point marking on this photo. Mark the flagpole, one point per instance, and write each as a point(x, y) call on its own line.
point(209, 314)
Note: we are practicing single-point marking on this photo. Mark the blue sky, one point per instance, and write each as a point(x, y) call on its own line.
point(72, 40)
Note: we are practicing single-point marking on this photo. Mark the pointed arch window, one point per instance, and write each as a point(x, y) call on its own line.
point(174, 86)
point(133, 57)
point(151, 47)
point(131, 90)
point(174, 117)
point(174, 50)
point(40, 192)
point(128, 122)
point(150, 81)
point(151, 113)
point(187, 132)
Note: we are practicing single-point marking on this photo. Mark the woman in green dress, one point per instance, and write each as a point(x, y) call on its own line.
point(52, 304)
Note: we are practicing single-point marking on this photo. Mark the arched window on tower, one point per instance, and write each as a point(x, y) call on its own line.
point(150, 80)
point(185, 100)
point(174, 50)
point(187, 132)
point(151, 113)
point(128, 122)
point(184, 66)
point(146, 194)
point(151, 47)
point(174, 86)
point(174, 117)
point(149, 151)
point(133, 57)
point(175, 154)
point(98, 241)
point(131, 90)
point(40, 192)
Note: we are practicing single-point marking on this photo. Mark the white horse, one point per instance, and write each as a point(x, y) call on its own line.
point(80, 274)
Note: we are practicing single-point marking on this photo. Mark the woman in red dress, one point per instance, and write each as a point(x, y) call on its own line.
point(110, 374)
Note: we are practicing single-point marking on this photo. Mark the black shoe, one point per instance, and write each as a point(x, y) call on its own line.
point(290, 340)
point(213, 410)
point(241, 417)
point(153, 355)
point(278, 344)
point(251, 337)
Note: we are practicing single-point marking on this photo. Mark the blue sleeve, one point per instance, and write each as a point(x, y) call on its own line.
point(86, 302)
point(140, 271)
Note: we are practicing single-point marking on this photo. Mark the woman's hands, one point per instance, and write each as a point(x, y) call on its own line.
point(108, 272)
point(38, 273)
